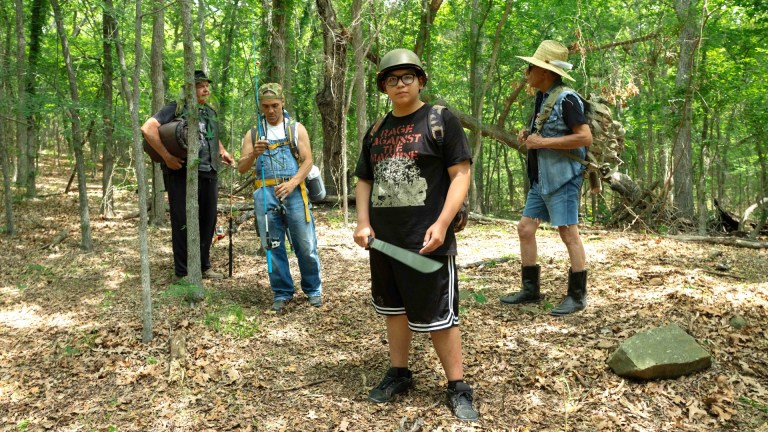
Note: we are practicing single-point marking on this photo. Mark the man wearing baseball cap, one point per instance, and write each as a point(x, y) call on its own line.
point(212, 152)
point(557, 126)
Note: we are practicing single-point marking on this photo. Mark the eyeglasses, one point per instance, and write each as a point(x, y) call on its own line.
point(392, 80)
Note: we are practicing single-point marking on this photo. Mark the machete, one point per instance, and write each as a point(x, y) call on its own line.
point(411, 259)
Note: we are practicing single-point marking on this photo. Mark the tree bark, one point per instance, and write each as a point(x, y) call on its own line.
point(157, 217)
point(38, 20)
point(429, 10)
point(108, 153)
point(201, 36)
point(7, 193)
point(682, 152)
point(330, 99)
point(277, 61)
point(86, 242)
point(24, 164)
point(132, 99)
point(194, 270)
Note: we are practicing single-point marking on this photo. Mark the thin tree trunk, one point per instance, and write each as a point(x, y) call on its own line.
point(278, 44)
point(38, 20)
point(132, 98)
point(226, 125)
point(429, 10)
point(86, 242)
point(330, 99)
point(4, 156)
point(157, 217)
point(24, 164)
point(108, 154)
point(201, 36)
point(361, 49)
point(7, 193)
point(682, 151)
point(194, 270)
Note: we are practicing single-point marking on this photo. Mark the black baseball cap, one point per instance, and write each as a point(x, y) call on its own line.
point(200, 77)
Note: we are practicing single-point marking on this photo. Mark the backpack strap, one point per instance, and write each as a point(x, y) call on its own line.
point(436, 124)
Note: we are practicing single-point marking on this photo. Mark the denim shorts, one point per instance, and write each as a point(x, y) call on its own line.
point(560, 208)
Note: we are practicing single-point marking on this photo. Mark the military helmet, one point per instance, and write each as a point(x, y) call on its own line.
point(400, 58)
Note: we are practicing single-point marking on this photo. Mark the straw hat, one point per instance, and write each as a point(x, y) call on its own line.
point(551, 55)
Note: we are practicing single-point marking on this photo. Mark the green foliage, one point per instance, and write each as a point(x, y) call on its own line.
point(637, 77)
point(233, 320)
point(23, 425)
point(754, 404)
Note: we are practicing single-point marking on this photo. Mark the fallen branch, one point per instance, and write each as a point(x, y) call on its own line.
point(63, 234)
point(727, 241)
point(298, 387)
point(492, 261)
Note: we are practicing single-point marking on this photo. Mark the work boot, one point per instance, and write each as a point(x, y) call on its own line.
point(576, 299)
point(396, 381)
point(316, 301)
point(460, 402)
point(531, 287)
point(210, 274)
point(278, 306)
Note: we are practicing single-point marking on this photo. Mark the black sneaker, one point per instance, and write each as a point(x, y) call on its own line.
point(460, 402)
point(390, 386)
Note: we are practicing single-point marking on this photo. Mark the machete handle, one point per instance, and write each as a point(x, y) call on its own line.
point(370, 240)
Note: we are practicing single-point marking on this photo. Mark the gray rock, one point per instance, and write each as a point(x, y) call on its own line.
point(662, 352)
point(738, 322)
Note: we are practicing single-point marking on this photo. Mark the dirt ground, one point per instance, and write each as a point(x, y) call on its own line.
point(71, 356)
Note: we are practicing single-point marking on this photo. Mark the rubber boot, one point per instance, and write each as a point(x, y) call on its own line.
point(531, 286)
point(576, 299)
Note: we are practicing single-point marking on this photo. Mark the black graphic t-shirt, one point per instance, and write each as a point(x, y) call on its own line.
point(410, 177)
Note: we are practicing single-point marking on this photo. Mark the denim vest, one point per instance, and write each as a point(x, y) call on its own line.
point(555, 170)
point(278, 160)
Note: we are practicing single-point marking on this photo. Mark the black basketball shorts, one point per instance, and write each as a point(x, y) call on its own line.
point(431, 301)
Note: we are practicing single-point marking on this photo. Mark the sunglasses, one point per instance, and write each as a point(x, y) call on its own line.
point(407, 79)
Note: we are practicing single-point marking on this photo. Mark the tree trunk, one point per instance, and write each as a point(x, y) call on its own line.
point(277, 61)
point(7, 193)
point(86, 242)
point(38, 20)
point(682, 151)
point(158, 101)
point(132, 99)
point(108, 154)
point(24, 164)
point(201, 36)
point(227, 102)
point(478, 90)
point(330, 99)
point(194, 275)
point(361, 49)
point(429, 10)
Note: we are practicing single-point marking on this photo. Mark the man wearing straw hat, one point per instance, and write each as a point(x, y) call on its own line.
point(555, 178)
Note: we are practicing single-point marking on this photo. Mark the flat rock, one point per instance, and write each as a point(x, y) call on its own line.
point(662, 352)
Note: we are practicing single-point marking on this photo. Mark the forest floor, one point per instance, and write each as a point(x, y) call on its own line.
point(71, 356)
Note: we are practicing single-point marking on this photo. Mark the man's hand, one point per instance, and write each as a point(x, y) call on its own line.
point(172, 161)
point(433, 238)
point(362, 232)
point(227, 158)
point(535, 141)
point(284, 189)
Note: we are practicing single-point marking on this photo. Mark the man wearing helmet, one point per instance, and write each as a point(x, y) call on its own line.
point(409, 189)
